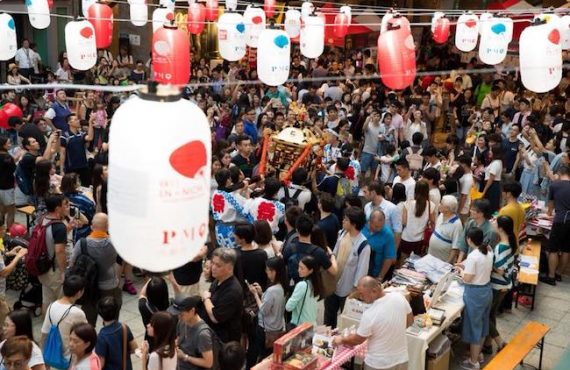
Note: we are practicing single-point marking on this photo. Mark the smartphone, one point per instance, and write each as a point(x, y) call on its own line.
point(545, 156)
point(247, 282)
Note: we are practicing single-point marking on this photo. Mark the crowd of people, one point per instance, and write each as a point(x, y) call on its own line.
point(384, 189)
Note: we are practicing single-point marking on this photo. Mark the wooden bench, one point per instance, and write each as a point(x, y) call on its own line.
point(527, 282)
point(530, 336)
point(29, 212)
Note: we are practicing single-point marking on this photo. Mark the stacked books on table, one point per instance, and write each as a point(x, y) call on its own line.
point(408, 277)
point(437, 316)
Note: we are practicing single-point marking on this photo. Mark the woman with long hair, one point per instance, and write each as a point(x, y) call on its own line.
point(100, 175)
point(153, 298)
point(502, 276)
point(42, 186)
point(303, 301)
point(492, 183)
point(19, 323)
point(162, 328)
point(271, 303)
point(82, 340)
point(416, 215)
point(477, 295)
point(7, 189)
point(27, 107)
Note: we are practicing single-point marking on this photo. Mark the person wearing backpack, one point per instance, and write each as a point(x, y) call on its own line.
point(352, 255)
point(296, 193)
point(60, 317)
point(46, 253)
point(26, 166)
point(101, 266)
point(197, 342)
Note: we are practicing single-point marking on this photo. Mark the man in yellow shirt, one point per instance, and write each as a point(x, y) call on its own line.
point(512, 208)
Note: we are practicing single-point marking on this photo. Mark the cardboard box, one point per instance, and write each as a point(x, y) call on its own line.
point(439, 363)
point(296, 340)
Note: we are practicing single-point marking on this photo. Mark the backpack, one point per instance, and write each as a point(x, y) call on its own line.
point(415, 160)
point(343, 188)
point(53, 349)
point(22, 181)
point(216, 346)
point(289, 200)
point(86, 267)
point(38, 260)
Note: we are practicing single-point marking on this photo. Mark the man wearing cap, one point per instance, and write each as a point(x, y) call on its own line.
point(195, 338)
point(223, 303)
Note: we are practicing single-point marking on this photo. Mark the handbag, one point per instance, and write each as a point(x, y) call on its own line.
point(428, 229)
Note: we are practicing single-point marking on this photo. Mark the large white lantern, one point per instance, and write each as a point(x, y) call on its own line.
point(565, 32)
point(38, 13)
point(494, 41)
point(8, 41)
point(80, 44)
point(138, 12)
point(168, 3)
point(313, 36)
point(540, 57)
point(160, 16)
point(231, 36)
point(231, 5)
point(254, 20)
point(85, 4)
point(483, 19)
point(467, 32)
point(273, 57)
point(307, 8)
point(293, 23)
point(159, 200)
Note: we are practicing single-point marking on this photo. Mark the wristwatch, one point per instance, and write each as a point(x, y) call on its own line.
point(186, 358)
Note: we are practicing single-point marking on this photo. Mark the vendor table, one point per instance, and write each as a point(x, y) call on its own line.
point(528, 276)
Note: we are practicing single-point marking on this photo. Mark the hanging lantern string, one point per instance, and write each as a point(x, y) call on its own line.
point(131, 88)
point(71, 17)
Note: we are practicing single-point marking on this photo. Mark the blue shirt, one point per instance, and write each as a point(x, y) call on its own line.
point(250, 130)
point(75, 155)
point(383, 247)
point(109, 346)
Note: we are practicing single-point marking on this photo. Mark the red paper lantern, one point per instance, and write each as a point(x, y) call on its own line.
point(101, 17)
point(171, 56)
point(196, 18)
point(397, 56)
point(341, 23)
point(8, 111)
point(440, 29)
point(212, 10)
point(269, 8)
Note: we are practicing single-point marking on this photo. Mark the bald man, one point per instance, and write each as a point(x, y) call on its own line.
point(382, 245)
point(384, 324)
point(98, 246)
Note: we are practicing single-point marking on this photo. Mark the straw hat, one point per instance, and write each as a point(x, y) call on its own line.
point(11, 66)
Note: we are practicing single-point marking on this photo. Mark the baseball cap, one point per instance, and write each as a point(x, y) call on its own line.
point(184, 304)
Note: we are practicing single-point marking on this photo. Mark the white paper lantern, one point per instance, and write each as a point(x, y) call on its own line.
point(307, 8)
point(467, 32)
point(509, 28)
point(8, 41)
point(347, 10)
point(540, 57)
point(231, 5)
point(159, 200)
point(385, 19)
point(293, 23)
point(138, 12)
point(254, 20)
point(85, 4)
point(483, 18)
point(168, 4)
point(273, 57)
point(565, 32)
point(160, 16)
point(313, 36)
point(494, 41)
point(231, 36)
point(80, 44)
point(38, 13)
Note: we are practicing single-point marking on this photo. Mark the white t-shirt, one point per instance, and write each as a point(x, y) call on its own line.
point(55, 312)
point(465, 184)
point(410, 185)
point(415, 226)
point(435, 197)
point(36, 359)
point(384, 324)
point(480, 265)
point(494, 168)
point(167, 363)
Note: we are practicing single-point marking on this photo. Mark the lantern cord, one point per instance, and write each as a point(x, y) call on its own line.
point(72, 18)
point(132, 88)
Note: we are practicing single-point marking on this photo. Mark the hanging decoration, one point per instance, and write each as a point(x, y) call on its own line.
point(231, 36)
point(254, 20)
point(540, 57)
point(342, 21)
point(9, 44)
point(293, 23)
point(269, 8)
point(212, 10)
point(231, 5)
point(384, 23)
point(440, 28)
point(312, 36)
point(85, 4)
point(101, 17)
point(307, 8)
point(80, 45)
point(171, 55)
point(196, 18)
point(8, 111)
point(483, 19)
point(565, 32)
point(494, 41)
point(168, 181)
point(273, 57)
point(38, 13)
point(397, 55)
point(467, 32)
point(160, 16)
point(168, 4)
point(138, 12)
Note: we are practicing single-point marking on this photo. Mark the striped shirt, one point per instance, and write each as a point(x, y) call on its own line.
point(504, 260)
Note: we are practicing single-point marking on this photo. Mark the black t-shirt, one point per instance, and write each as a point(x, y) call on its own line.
point(7, 168)
point(188, 274)
point(31, 130)
point(330, 226)
point(28, 166)
point(510, 150)
point(227, 299)
point(560, 194)
point(253, 266)
point(245, 165)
